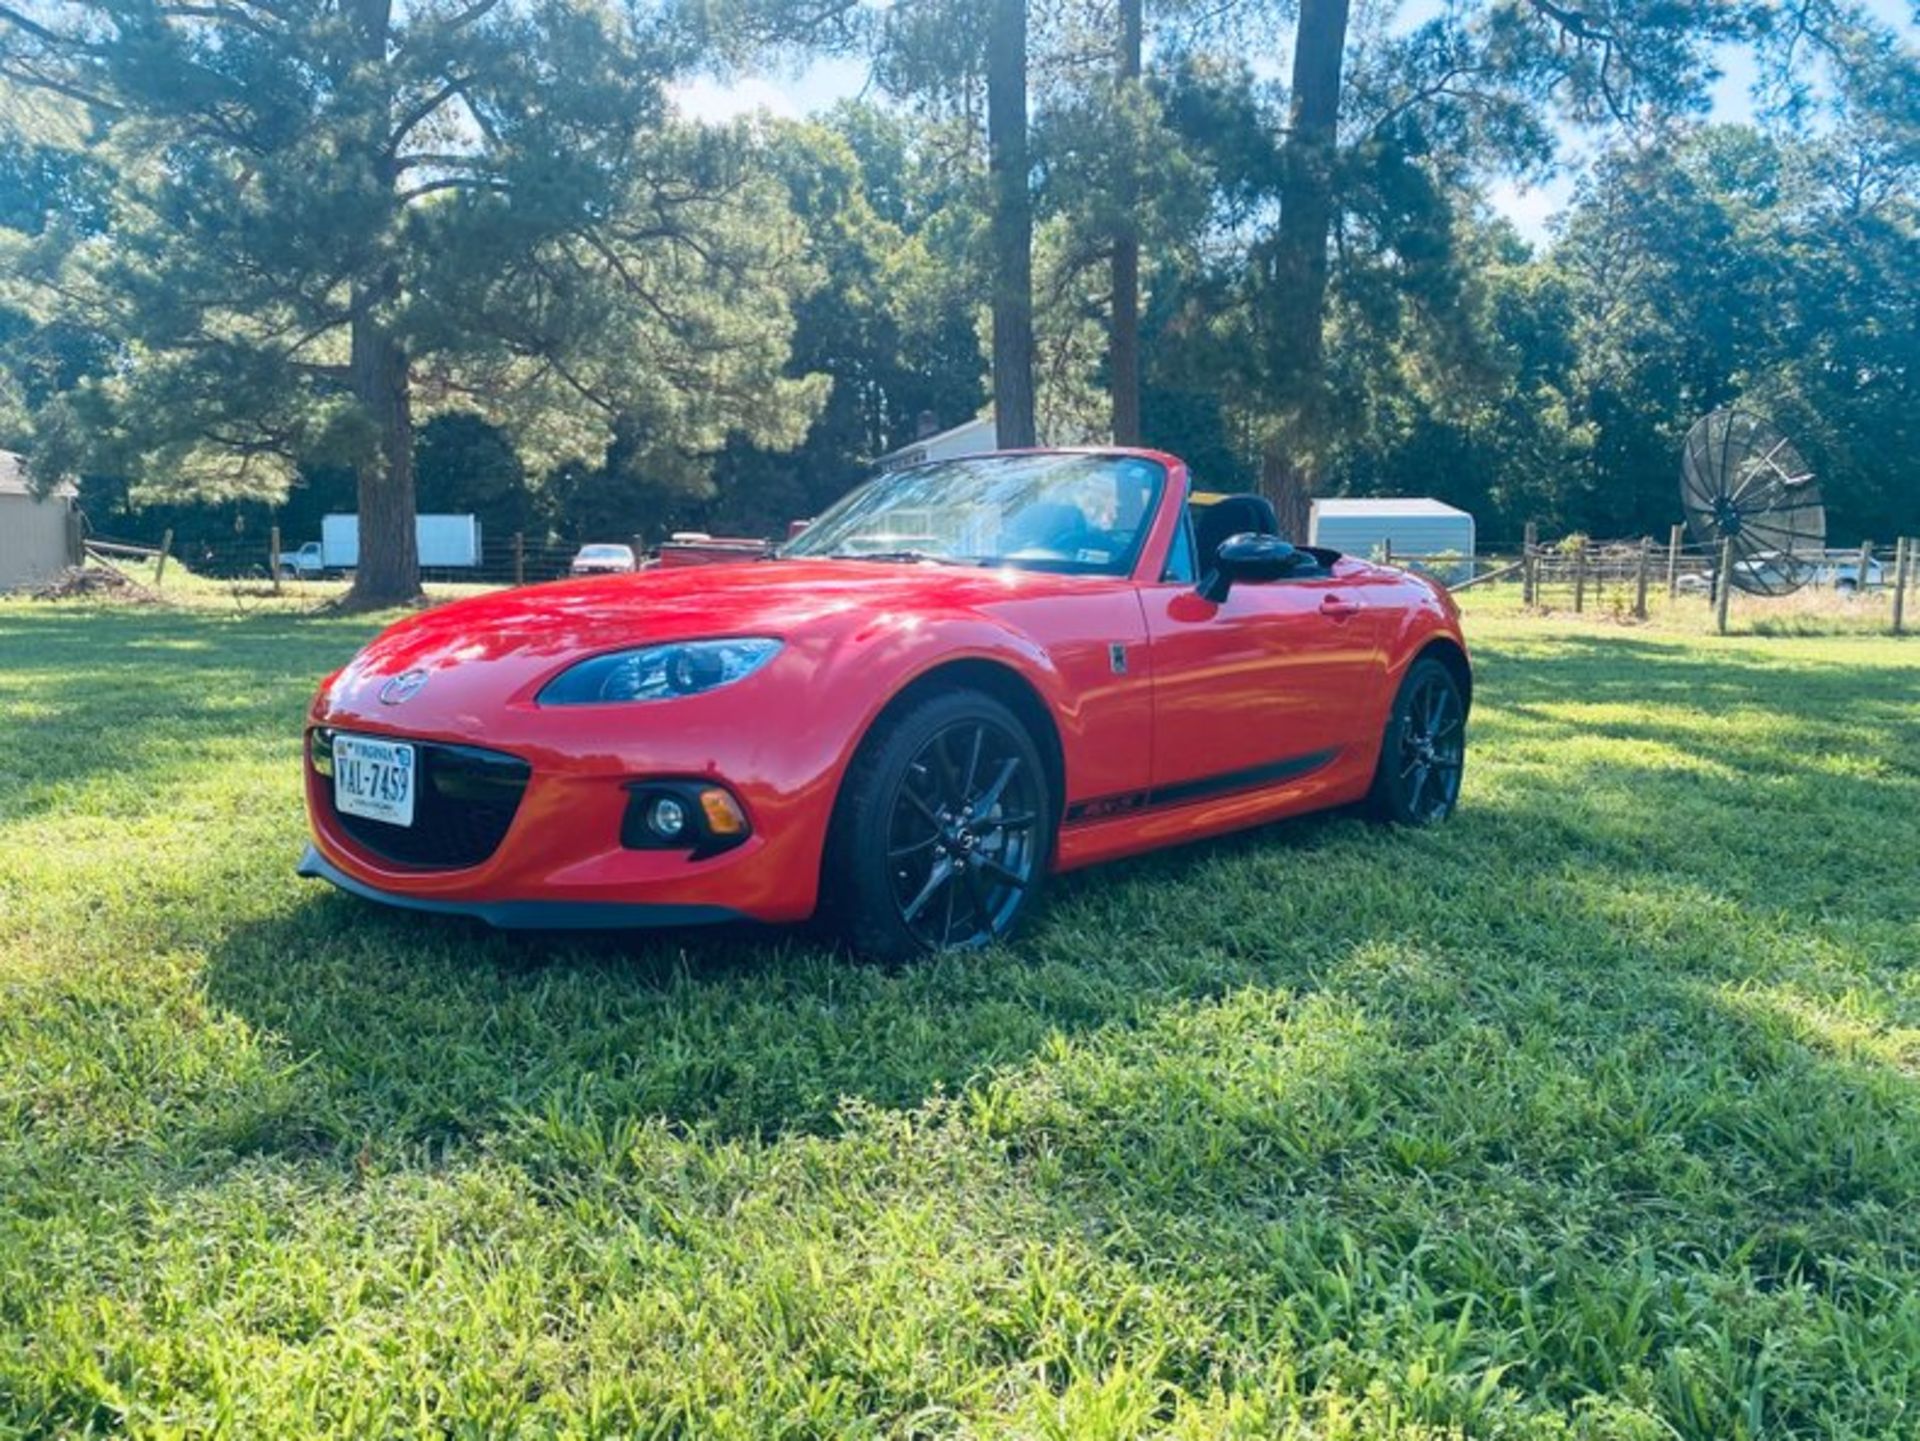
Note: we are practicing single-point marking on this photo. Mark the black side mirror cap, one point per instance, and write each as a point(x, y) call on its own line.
point(1251, 557)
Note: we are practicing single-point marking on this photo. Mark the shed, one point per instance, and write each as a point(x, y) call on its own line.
point(1411, 525)
point(39, 535)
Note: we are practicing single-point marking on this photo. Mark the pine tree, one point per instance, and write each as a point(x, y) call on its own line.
point(331, 216)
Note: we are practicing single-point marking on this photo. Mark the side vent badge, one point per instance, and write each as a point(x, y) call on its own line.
point(1117, 658)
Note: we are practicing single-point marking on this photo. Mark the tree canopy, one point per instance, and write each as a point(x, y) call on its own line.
point(256, 250)
point(320, 219)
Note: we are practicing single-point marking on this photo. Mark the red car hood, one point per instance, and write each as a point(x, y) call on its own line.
point(481, 653)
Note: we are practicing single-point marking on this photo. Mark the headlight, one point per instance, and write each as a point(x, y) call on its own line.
point(659, 672)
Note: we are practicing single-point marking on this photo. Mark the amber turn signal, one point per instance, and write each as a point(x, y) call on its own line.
point(723, 813)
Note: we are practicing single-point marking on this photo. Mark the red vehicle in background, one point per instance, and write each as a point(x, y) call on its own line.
point(961, 678)
point(687, 547)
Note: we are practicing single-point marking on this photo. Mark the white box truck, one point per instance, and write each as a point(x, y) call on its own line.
point(445, 542)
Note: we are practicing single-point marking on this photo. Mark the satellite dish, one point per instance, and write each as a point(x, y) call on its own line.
point(1741, 480)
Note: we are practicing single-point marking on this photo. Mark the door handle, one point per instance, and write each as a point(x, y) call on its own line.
point(1340, 609)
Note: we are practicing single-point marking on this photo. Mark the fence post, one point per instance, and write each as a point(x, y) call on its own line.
point(166, 545)
point(1640, 581)
point(1579, 577)
point(1902, 563)
point(1529, 585)
point(1723, 585)
point(1386, 551)
point(273, 557)
point(519, 558)
point(1673, 561)
point(1866, 564)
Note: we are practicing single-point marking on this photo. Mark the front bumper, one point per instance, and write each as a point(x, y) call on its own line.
point(563, 853)
point(527, 915)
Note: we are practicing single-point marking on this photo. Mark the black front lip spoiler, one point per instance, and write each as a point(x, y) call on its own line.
point(527, 915)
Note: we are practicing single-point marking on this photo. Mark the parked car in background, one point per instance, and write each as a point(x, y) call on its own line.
point(603, 559)
point(1844, 576)
point(696, 547)
point(1077, 660)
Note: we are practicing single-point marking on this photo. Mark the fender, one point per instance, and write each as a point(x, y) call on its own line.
point(1102, 721)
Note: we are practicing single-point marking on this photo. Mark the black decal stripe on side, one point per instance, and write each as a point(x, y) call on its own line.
point(1200, 788)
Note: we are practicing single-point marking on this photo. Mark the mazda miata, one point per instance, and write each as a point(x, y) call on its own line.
point(960, 678)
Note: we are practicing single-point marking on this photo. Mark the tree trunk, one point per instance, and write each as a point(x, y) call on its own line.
point(1012, 227)
point(1297, 307)
point(388, 572)
point(1289, 485)
point(1123, 354)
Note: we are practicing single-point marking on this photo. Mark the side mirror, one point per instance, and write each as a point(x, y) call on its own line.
point(1250, 557)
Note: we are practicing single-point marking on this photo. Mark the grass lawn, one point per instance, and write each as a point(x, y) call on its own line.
point(1593, 1114)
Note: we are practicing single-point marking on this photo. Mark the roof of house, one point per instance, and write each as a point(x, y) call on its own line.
point(1386, 505)
point(984, 420)
point(14, 479)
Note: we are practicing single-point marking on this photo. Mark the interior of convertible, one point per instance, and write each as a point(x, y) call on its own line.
point(1213, 517)
point(1070, 511)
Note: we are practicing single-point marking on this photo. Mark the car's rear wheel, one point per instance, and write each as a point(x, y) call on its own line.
point(943, 831)
point(1424, 751)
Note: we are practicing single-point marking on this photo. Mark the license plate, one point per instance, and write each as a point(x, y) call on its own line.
point(374, 779)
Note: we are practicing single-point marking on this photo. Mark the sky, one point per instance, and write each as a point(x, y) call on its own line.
point(824, 82)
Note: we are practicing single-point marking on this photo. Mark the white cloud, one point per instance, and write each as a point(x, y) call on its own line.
point(713, 101)
point(1530, 207)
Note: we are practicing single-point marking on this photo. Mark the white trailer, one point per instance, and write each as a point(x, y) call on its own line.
point(444, 542)
point(1413, 526)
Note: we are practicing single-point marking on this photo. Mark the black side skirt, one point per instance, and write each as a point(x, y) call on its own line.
point(1251, 778)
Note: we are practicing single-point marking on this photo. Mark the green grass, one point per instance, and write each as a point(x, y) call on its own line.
point(1593, 1114)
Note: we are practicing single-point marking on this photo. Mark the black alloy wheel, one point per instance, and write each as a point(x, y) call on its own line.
point(1424, 751)
point(944, 831)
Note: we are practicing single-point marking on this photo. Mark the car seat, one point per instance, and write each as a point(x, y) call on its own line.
point(1230, 516)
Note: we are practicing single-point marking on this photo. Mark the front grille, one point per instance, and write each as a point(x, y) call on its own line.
point(466, 801)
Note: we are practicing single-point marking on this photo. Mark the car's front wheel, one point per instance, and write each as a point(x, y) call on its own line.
point(944, 829)
point(1425, 748)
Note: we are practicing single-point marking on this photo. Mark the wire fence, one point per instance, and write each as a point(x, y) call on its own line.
point(505, 561)
point(1575, 573)
point(1579, 573)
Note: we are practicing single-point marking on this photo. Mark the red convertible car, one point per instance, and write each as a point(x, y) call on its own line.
point(960, 678)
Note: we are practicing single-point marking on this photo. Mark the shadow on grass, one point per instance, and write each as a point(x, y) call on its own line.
point(432, 1029)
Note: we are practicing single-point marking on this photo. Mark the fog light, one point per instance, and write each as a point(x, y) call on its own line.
point(724, 817)
point(667, 818)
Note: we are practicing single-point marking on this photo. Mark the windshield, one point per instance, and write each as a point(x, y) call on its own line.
point(604, 552)
point(1085, 514)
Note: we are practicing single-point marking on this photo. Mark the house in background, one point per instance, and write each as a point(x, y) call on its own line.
point(974, 437)
point(978, 436)
point(39, 535)
point(1410, 525)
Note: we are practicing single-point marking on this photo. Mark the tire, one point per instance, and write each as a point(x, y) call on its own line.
point(1424, 751)
point(943, 832)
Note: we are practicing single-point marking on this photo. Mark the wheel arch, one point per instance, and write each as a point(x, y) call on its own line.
point(1005, 684)
point(1449, 652)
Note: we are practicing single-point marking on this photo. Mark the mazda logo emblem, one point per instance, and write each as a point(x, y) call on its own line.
point(403, 687)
